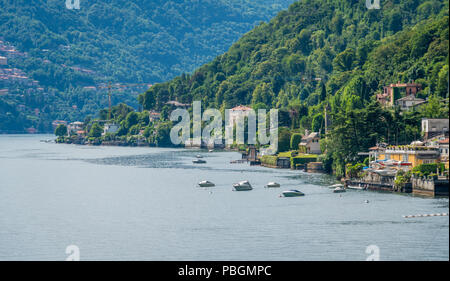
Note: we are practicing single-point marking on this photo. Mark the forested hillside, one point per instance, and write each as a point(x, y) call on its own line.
point(126, 41)
point(104, 41)
point(330, 54)
point(331, 41)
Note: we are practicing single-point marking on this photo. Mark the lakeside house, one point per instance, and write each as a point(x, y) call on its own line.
point(434, 127)
point(415, 155)
point(441, 143)
point(310, 143)
point(394, 92)
point(443, 148)
point(74, 127)
point(110, 128)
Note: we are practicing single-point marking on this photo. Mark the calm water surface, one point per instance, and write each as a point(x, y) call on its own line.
point(119, 203)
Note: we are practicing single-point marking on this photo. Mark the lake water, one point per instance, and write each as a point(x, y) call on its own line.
point(123, 203)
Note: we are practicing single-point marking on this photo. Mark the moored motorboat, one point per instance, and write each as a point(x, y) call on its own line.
point(358, 187)
point(199, 156)
point(199, 161)
point(272, 185)
point(292, 193)
point(242, 186)
point(339, 189)
point(206, 184)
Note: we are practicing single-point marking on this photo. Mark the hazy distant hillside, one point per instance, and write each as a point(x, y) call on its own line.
point(127, 41)
point(132, 41)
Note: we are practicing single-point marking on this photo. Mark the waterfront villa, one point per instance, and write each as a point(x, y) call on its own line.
point(443, 148)
point(74, 127)
point(434, 127)
point(310, 143)
point(416, 155)
point(110, 128)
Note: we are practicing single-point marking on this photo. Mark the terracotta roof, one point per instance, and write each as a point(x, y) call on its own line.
point(241, 108)
point(444, 141)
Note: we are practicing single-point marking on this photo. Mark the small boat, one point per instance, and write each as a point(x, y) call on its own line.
point(339, 189)
point(358, 187)
point(199, 156)
point(206, 184)
point(272, 185)
point(242, 186)
point(336, 185)
point(211, 150)
point(199, 161)
point(292, 193)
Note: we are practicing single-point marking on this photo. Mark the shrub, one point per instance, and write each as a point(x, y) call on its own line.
point(427, 169)
point(269, 160)
point(303, 159)
point(295, 141)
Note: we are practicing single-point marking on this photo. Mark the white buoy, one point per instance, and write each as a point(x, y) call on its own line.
point(426, 215)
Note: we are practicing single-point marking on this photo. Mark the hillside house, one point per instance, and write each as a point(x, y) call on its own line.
point(393, 92)
point(409, 102)
point(310, 143)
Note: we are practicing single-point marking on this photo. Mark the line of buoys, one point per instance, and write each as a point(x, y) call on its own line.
point(426, 215)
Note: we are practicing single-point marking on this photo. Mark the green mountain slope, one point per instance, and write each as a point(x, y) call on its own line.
point(133, 41)
point(328, 41)
point(334, 56)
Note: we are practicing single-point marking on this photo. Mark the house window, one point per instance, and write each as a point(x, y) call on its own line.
point(405, 158)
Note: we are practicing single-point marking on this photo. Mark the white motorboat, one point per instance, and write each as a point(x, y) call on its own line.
point(272, 185)
point(242, 186)
point(206, 184)
point(358, 187)
point(339, 189)
point(292, 193)
point(199, 161)
point(199, 156)
point(336, 185)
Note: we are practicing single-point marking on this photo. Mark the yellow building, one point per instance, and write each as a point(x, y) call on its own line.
point(416, 155)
